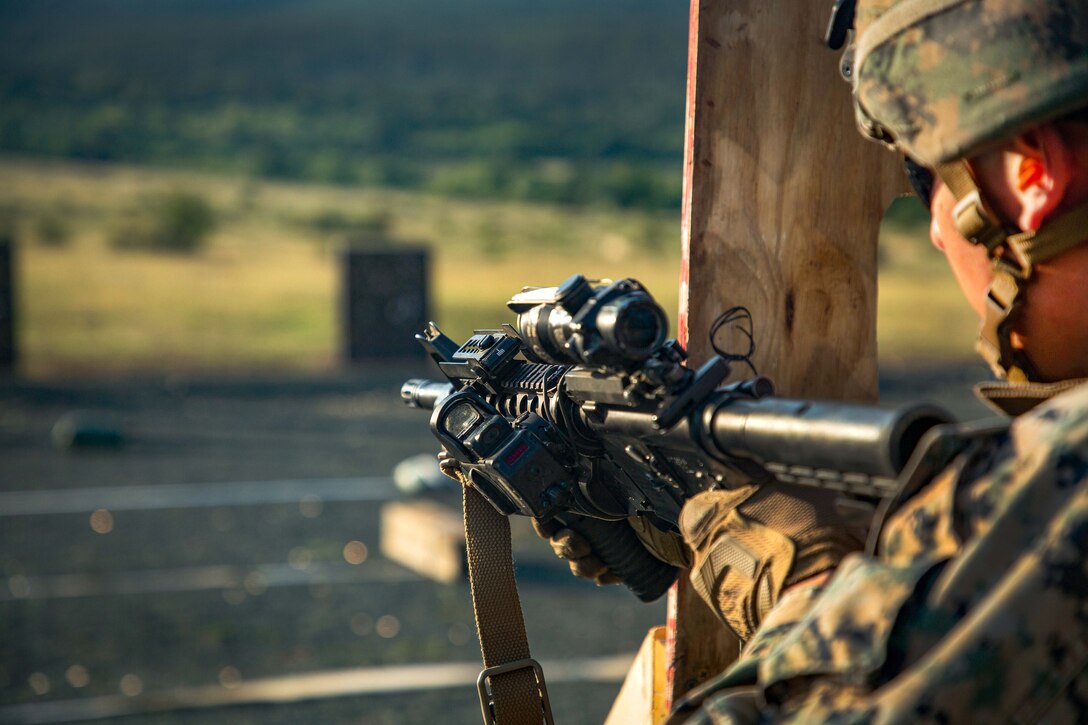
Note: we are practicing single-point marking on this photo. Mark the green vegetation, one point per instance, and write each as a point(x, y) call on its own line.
point(262, 292)
point(522, 141)
point(176, 222)
point(352, 228)
point(51, 229)
point(561, 101)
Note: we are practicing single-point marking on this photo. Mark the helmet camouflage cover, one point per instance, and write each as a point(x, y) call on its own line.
point(940, 79)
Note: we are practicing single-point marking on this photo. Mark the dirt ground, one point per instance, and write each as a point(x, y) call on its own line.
point(140, 616)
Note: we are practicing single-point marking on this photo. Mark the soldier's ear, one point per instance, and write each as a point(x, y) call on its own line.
point(1039, 166)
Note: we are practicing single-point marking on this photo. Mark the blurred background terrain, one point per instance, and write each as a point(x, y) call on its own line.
point(247, 138)
point(178, 177)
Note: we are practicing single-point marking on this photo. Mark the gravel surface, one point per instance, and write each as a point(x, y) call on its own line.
point(331, 615)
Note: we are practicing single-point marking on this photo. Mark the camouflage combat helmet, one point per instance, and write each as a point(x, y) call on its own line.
point(940, 80)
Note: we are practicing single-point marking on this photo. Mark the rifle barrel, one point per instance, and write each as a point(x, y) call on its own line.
point(425, 394)
point(822, 434)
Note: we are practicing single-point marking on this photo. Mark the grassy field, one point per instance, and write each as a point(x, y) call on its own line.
point(262, 294)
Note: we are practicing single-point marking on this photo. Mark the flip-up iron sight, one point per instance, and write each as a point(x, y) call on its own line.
point(586, 414)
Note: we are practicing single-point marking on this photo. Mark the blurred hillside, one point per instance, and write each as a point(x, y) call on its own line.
point(261, 293)
point(522, 142)
point(560, 101)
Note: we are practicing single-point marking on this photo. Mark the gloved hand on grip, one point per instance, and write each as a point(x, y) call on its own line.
point(751, 543)
point(646, 557)
point(577, 550)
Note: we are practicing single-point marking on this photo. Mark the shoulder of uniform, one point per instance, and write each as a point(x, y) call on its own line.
point(1014, 399)
point(1061, 421)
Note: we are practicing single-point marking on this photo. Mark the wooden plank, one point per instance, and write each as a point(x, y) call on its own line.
point(782, 202)
point(425, 536)
point(642, 697)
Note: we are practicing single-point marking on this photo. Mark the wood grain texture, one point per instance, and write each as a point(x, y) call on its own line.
point(782, 204)
point(425, 536)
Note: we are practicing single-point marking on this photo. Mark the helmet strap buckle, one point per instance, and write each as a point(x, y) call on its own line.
point(977, 223)
point(1003, 299)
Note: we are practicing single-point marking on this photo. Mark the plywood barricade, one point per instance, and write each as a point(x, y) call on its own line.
point(782, 203)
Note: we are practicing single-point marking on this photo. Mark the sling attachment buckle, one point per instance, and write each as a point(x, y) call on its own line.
point(486, 702)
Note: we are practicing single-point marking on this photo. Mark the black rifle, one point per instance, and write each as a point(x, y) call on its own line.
point(584, 413)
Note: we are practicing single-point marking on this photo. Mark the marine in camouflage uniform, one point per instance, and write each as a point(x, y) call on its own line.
point(971, 601)
point(974, 609)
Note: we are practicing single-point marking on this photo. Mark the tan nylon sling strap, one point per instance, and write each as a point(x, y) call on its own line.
point(518, 695)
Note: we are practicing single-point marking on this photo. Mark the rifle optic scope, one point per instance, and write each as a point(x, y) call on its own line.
point(581, 323)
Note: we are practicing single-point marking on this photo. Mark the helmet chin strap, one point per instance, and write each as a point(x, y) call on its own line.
point(1013, 255)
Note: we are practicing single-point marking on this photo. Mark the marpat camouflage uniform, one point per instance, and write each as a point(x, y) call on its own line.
point(973, 605)
point(974, 608)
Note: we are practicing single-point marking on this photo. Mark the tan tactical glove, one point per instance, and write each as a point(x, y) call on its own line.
point(666, 546)
point(751, 543)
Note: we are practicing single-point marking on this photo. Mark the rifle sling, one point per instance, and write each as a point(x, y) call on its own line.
point(518, 694)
